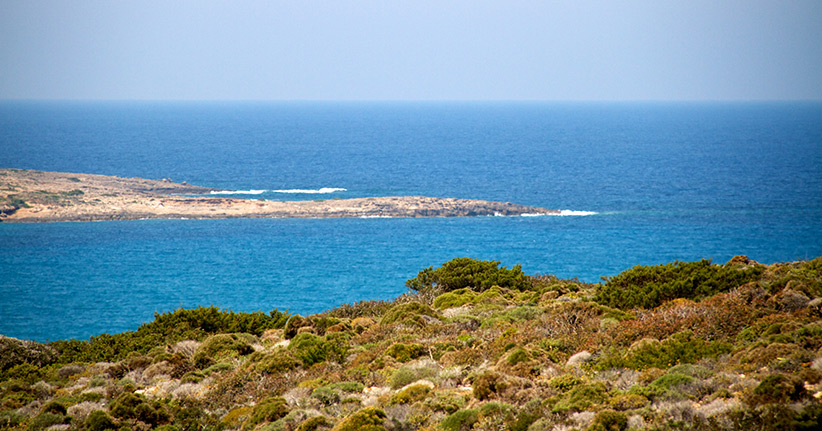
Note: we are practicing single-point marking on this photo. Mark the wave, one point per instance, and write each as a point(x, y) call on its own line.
point(323, 190)
point(562, 213)
point(576, 213)
point(237, 192)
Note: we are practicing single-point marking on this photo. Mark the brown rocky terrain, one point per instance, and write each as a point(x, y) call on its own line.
point(36, 196)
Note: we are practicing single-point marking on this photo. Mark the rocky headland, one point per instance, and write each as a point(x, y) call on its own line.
point(37, 196)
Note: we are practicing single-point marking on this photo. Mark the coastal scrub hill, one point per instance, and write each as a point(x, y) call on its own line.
point(37, 196)
point(472, 346)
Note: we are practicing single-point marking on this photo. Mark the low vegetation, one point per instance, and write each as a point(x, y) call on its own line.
point(472, 346)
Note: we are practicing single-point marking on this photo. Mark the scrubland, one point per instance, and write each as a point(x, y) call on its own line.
point(471, 346)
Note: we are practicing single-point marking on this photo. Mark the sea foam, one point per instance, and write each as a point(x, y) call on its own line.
point(562, 213)
point(575, 213)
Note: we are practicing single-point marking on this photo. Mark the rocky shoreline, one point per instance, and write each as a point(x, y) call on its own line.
point(37, 196)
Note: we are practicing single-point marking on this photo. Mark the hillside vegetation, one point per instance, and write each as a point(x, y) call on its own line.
point(472, 346)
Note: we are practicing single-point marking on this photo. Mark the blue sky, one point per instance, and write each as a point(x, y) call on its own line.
point(411, 50)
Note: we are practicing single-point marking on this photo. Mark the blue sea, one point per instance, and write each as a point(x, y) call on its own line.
point(646, 183)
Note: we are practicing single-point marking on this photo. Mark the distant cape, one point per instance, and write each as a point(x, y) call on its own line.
point(38, 196)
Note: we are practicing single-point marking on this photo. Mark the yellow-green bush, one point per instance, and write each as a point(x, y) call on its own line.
point(367, 419)
point(268, 410)
point(408, 313)
point(405, 352)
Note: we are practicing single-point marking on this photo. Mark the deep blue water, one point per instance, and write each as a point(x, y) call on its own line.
point(667, 181)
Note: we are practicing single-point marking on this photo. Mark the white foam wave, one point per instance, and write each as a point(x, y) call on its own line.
point(321, 191)
point(562, 213)
point(237, 192)
point(576, 213)
point(376, 216)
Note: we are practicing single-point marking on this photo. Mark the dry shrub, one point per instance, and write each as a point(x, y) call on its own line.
point(465, 357)
point(81, 410)
point(759, 355)
point(679, 411)
point(720, 317)
point(186, 348)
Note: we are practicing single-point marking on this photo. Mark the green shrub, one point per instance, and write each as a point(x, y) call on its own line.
point(99, 420)
point(45, 420)
point(609, 420)
point(778, 388)
point(405, 352)
point(222, 346)
point(123, 407)
point(293, 325)
point(680, 348)
point(408, 313)
point(24, 372)
point(650, 286)
point(90, 396)
point(311, 424)
point(580, 398)
point(455, 298)
point(628, 401)
point(565, 382)
point(54, 407)
point(463, 272)
point(167, 328)
point(671, 381)
point(336, 346)
point(367, 419)
point(308, 348)
point(460, 420)
point(406, 375)
point(411, 394)
point(517, 356)
point(268, 410)
point(335, 392)
point(218, 368)
point(10, 419)
point(14, 352)
point(275, 362)
point(486, 385)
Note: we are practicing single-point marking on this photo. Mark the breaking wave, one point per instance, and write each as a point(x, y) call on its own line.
point(321, 191)
point(562, 213)
point(575, 213)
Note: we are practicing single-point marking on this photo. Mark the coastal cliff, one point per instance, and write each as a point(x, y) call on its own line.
point(37, 196)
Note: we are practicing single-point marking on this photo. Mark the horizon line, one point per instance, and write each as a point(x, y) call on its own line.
point(581, 101)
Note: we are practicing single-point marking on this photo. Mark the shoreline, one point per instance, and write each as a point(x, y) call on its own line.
point(29, 196)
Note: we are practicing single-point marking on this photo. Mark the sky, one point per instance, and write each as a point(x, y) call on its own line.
point(583, 50)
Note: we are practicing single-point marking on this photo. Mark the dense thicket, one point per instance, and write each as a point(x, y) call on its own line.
point(650, 286)
point(464, 272)
point(167, 328)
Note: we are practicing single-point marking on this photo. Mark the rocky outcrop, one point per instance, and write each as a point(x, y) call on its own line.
point(53, 196)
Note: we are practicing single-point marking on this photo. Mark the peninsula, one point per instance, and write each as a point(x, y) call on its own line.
point(37, 196)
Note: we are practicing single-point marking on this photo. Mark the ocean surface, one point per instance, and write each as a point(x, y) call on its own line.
point(645, 183)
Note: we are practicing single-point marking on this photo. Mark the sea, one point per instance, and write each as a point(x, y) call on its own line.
point(639, 183)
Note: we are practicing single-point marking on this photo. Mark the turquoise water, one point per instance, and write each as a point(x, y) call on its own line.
point(666, 181)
